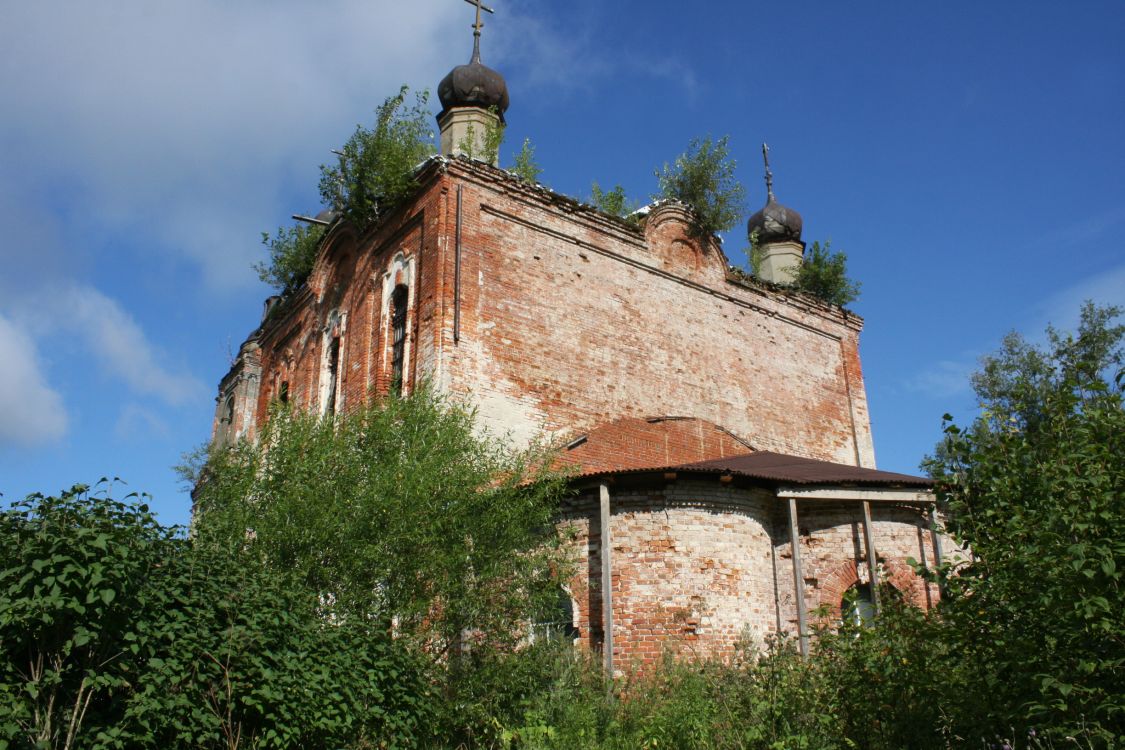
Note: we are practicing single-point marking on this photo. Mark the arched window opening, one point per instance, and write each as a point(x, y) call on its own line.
point(398, 337)
point(333, 375)
point(857, 608)
point(229, 416)
point(283, 392)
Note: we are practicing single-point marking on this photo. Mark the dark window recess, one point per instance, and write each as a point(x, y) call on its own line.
point(230, 411)
point(283, 392)
point(857, 607)
point(333, 369)
point(398, 328)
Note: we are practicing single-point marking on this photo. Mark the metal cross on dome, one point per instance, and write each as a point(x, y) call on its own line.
point(477, 26)
point(766, 159)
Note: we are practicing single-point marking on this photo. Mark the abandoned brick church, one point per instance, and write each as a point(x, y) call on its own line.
point(718, 425)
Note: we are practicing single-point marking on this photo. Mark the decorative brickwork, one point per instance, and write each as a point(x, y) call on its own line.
point(633, 347)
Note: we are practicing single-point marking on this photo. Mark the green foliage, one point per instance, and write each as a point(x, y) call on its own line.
point(242, 657)
point(118, 633)
point(703, 178)
point(754, 256)
point(397, 510)
point(824, 274)
point(376, 167)
point(1034, 488)
point(525, 167)
point(761, 700)
point(292, 253)
point(73, 572)
point(490, 142)
point(612, 202)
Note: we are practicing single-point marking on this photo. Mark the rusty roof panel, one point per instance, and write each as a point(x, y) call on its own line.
point(782, 469)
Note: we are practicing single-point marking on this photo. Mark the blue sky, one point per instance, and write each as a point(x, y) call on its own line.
point(968, 157)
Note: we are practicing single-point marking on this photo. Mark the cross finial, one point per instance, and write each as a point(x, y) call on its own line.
point(477, 26)
point(769, 174)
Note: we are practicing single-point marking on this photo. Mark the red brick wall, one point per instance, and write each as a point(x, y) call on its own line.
point(570, 320)
point(573, 323)
point(699, 566)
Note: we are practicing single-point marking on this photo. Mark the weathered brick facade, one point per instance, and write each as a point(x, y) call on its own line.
point(632, 343)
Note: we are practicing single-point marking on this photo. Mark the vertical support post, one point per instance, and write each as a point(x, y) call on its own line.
point(872, 561)
point(457, 274)
point(936, 536)
point(798, 578)
point(607, 581)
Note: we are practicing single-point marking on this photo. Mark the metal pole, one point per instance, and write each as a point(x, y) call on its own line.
point(798, 578)
point(457, 274)
point(872, 561)
point(607, 583)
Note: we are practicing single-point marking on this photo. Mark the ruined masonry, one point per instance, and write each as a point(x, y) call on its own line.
point(718, 425)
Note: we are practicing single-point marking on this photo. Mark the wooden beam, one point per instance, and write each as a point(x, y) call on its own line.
point(607, 582)
point(798, 577)
point(872, 561)
point(869, 494)
point(935, 535)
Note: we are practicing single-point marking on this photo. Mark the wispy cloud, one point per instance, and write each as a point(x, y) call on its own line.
point(1083, 230)
point(577, 59)
point(115, 341)
point(137, 422)
point(944, 379)
point(1061, 308)
point(31, 412)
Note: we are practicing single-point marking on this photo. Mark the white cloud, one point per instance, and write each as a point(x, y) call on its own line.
point(1061, 308)
point(184, 123)
point(944, 379)
point(136, 422)
point(31, 411)
point(116, 342)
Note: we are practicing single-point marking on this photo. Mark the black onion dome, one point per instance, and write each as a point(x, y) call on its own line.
point(775, 223)
point(473, 85)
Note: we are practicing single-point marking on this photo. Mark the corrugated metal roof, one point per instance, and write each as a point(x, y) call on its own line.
point(783, 469)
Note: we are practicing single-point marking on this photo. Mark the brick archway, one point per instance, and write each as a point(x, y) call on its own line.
point(895, 573)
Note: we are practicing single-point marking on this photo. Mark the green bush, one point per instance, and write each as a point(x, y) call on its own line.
point(525, 166)
point(824, 275)
point(292, 253)
point(703, 178)
point(398, 509)
point(117, 633)
point(612, 202)
point(375, 170)
point(1034, 488)
point(74, 573)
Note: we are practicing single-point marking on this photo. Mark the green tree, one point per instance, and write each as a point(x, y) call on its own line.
point(397, 511)
point(375, 169)
point(490, 142)
point(824, 275)
point(525, 166)
point(703, 178)
point(1034, 488)
point(73, 572)
point(292, 252)
point(612, 202)
point(117, 632)
point(241, 657)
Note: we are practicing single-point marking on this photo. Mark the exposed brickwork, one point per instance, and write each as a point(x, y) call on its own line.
point(633, 443)
point(699, 566)
point(554, 319)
